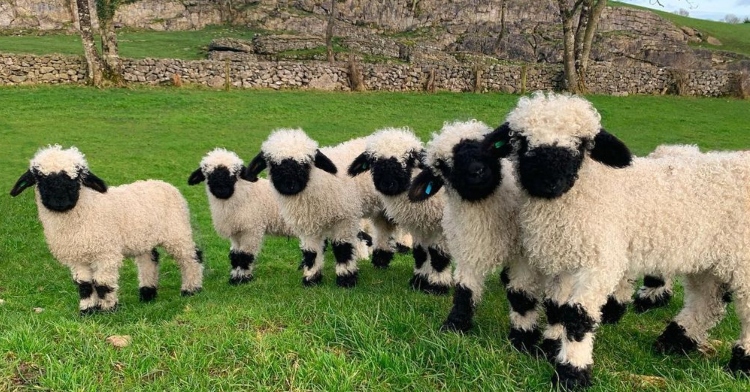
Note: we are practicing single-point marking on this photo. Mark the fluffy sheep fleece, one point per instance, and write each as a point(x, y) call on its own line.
point(90, 227)
point(593, 214)
point(241, 211)
point(391, 157)
point(480, 223)
point(318, 202)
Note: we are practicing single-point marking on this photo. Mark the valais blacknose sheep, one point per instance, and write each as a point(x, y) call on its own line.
point(90, 227)
point(391, 157)
point(481, 224)
point(241, 211)
point(593, 214)
point(320, 203)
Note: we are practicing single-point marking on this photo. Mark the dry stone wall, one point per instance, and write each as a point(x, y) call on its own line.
point(510, 78)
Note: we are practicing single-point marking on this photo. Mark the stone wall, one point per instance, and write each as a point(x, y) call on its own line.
point(510, 78)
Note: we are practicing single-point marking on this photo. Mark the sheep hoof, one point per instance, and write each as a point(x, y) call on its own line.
point(237, 280)
point(347, 281)
point(643, 304)
point(674, 340)
point(309, 281)
point(147, 294)
point(524, 340)
point(456, 325)
point(89, 311)
point(739, 364)
point(570, 378)
point(613, 311)
point(189, 293)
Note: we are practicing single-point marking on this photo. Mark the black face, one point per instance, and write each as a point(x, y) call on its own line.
point(390, 177)
point(221, 183)
point(289, 177)
point(58, 191)
point(476, 174)
point(548, 171)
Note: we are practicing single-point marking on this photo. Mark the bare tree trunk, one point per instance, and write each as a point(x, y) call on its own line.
point(93, 61)
point(329, 31)
point(110, 50)
point(567, 13)
point(588, 38)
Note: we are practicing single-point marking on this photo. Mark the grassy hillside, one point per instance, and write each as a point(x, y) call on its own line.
point(734, 37)
point(273, 334)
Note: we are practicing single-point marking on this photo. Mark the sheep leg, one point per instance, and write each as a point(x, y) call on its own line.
point(312, 260)
point(106, 276)
point(703, 309)
point(84, 279)
point(148, 274)
point(469, 277)
point(382, 253)
point(655, 293)
point(580, 316)
point(617, 302)
point(523, 291)
point(557, 289)
point(242, 256)
point(740, 360)
point(418, 279)
point(439, 276)
point(190, 261)
point(347, 271)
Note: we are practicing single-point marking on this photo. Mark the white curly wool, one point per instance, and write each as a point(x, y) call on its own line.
point(440, 146)
point(127, 221)
point(286, 143)
point(251, 213)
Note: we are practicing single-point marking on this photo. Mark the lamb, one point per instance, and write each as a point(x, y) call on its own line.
point(90, 227)
point(592, 214)
point(480, 223)
point(320, 204)
point(391, 155)
point(241, 211)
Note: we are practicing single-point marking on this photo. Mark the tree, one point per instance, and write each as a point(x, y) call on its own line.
point(329, 31)
point(682, 12)
point(580, 19)
point(105, 66)
point(732, 19)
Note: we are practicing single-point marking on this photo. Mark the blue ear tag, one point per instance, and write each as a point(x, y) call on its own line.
point(428, 189)
point(499, 144)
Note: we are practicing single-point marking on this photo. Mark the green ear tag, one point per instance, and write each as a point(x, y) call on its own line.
point(428, 189)
point(499, 144)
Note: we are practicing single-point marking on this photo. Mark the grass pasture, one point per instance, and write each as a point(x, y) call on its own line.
point(273, 334)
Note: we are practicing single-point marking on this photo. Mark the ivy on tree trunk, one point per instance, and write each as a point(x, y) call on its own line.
point(93, 61)
point(580, 19)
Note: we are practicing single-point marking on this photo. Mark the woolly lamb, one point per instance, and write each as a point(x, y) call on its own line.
point(390, 157)
point(320, 204)
point(480, 222)
point(241, 211)
point(593, 214)
point(90, 227)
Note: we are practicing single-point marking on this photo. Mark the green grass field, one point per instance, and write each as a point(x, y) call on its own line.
point(273, 334)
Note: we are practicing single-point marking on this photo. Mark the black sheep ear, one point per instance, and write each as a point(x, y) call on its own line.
point(257, 165)
point(92, 181)
point(610, 151)
point(425, 185)
point(322, 162)
point(26, 180)
point(497, 142)
point(360, 164)
point(197, 177)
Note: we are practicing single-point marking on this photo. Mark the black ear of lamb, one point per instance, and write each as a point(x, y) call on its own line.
point(26, 180)
point(425, 185)
point(322, 162)
point(497, 142)
point(361, 164)
point(610, 150)
point(257, 165)
point(196, 177)
point(90, 180)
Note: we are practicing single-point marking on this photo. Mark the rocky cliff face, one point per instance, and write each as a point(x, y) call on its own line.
point(410, 30)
